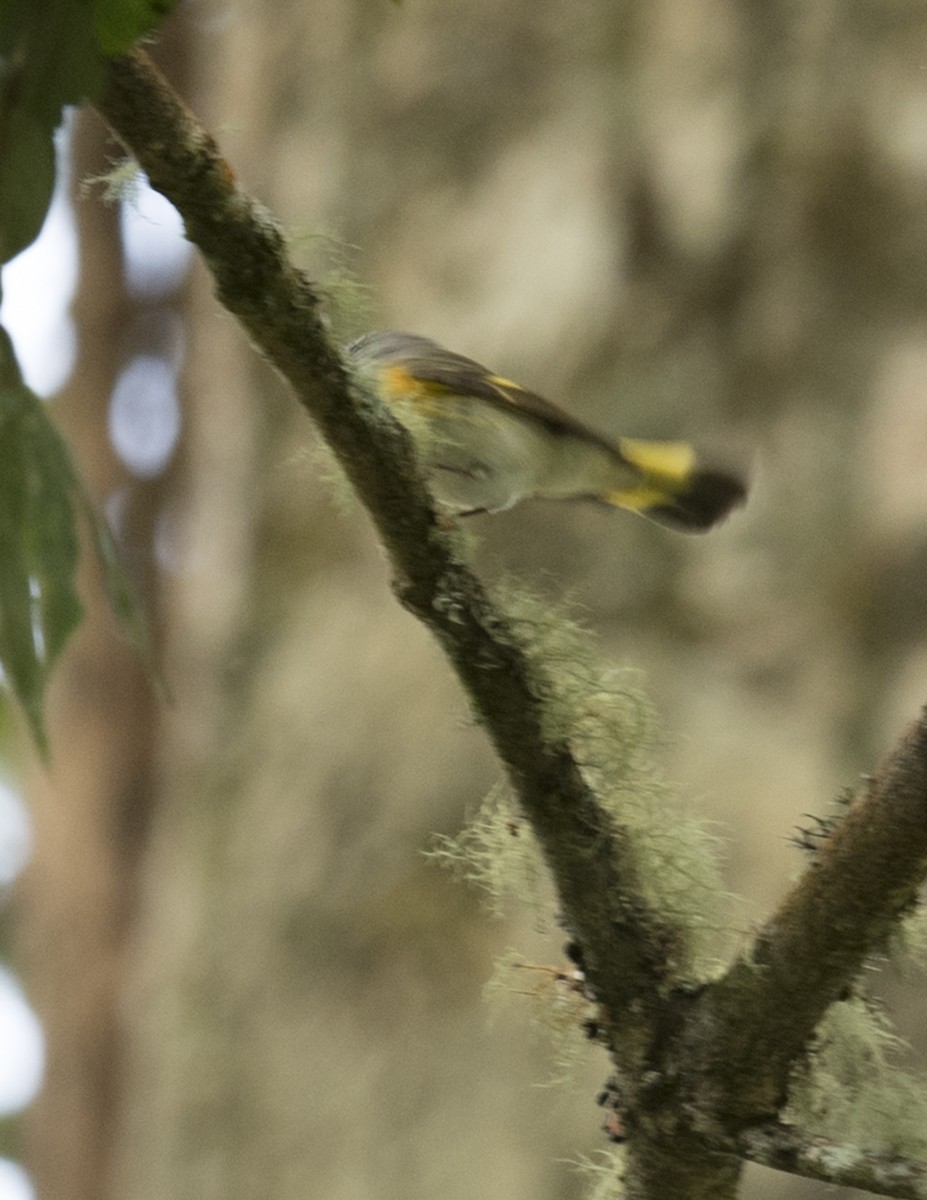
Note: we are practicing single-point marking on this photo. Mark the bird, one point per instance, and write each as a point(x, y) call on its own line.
point(487, 443)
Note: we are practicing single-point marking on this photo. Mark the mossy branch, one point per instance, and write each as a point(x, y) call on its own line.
point(592, 862)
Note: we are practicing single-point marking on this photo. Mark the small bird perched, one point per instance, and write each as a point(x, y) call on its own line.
point(487, 443)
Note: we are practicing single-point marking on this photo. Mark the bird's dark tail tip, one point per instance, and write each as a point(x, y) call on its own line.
point(710, 497)
point(674, 490)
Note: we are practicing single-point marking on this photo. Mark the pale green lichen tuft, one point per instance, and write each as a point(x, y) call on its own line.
point(559, 1007)
point(907, 944)
point(120, 183)
point(348, 301)
point(850, 1089)
point(604, 1172)
point(612, 729)
point(497, 852)
point(324, 465)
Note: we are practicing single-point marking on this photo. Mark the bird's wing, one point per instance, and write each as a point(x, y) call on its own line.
point(465, 377)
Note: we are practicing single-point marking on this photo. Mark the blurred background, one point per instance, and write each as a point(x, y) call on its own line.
point(701, 220)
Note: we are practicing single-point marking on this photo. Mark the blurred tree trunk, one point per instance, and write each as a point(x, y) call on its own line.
point(90, 804)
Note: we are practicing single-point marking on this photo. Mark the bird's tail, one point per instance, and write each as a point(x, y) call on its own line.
point(674, 489)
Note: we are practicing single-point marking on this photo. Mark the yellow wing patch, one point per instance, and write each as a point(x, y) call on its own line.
point(500, 382)
point(399, 385)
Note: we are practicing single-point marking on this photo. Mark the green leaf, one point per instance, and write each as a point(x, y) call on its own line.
point(14, 15)
point(48, 58)
point(52, 53)
point(119, 23)
point(27, 179)
point(41, 497)
point(39, 607)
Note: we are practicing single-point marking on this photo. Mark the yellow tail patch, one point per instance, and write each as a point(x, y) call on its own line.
point(667, 469)
point(673, 489)
point(669, 462)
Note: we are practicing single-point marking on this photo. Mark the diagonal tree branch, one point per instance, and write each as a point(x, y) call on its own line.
point(592, 862)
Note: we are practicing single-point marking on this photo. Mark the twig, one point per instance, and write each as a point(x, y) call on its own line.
point(785, 1149)
point(756, 1021)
